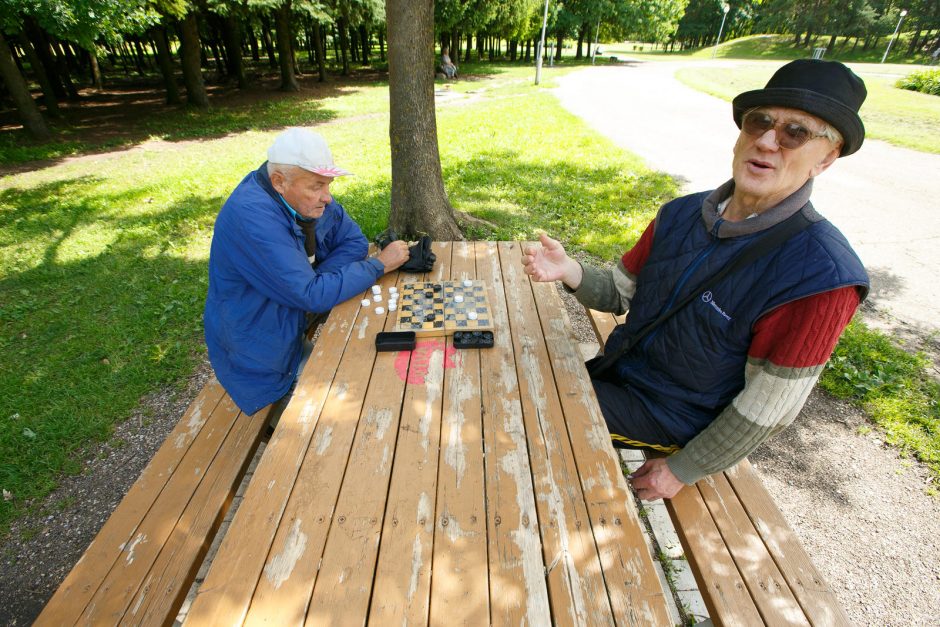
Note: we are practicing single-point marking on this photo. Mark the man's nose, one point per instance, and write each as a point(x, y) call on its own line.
point(768, 141)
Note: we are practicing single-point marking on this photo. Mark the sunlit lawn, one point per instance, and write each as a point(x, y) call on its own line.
point(103, 260)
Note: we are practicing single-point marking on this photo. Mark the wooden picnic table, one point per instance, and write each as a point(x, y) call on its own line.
point(440, 486)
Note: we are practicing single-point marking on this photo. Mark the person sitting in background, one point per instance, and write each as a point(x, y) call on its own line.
point(734, 364)
point(282, 247)
point(450, 70)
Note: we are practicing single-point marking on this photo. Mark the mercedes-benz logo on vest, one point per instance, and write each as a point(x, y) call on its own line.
point(707, 297)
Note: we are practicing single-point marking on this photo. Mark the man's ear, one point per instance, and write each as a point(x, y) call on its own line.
point(278, 182)
point(827, 161)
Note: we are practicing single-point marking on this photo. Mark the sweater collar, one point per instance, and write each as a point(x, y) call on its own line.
point(776, 214)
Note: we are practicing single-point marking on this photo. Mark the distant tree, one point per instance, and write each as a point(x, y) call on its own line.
point(19, 92)
point(419, 201)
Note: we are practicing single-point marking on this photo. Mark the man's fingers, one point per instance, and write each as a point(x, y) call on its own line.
point(548, 242)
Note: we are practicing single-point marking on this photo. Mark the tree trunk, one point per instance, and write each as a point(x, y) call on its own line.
point(321, 55)
point(48, 94)
point(253, 43)
point(419, 201)
point(63, 68)
point(914, 41)
point(832, 43)
point(165, 61)
point(364, 38)
point(268, 44)
point(581, 34)
point(343, 28)
point(381, 44)
point(284, 56)
point(192, 70)
point(19, 92)
point(469, 51)
point(97, 79)
point(232, 40)
point(41, 45)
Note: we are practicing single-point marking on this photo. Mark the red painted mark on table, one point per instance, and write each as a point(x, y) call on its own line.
point(420, 360)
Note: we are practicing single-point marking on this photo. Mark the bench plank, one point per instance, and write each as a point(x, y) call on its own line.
point(767, 587)
point(723, 590)
point(182, 555)
point(225, 594)
point(460, 586)
point(82, 583)
point(575, 581)
point(813, 593)
point(518, 592)
point(402, 585)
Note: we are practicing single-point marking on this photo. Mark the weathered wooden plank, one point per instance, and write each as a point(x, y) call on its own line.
point(811, 591)
point(603, 323)
point(460, 584)
point(159, 599)
point(290, 569)
point(518, 590)
point(401, 590)
point(225, 594)
point(722, 588)
point(112, 599)
point(73, 595)
point(767, 586)
point(635, 593)
point(344, 584)
point(575, 583)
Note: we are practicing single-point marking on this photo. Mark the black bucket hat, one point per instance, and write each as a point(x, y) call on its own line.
point(826, 89)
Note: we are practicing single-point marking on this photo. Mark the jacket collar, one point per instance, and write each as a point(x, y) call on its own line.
point(787, 207)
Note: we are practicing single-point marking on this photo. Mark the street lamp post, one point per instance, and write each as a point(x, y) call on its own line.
point(894, 36)
point(538, 57)
point(724, 8)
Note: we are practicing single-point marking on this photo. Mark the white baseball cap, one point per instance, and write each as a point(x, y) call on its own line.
point(304, 149)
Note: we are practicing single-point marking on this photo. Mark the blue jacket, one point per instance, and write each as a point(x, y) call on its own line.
point(261, 284)
point(685, 372)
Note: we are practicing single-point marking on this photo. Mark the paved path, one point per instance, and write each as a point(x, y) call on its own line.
point(885, 199)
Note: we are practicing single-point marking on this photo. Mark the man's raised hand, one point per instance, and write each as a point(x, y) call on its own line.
point(550, 262)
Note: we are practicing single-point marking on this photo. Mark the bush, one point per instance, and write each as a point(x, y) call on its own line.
point(924, 81)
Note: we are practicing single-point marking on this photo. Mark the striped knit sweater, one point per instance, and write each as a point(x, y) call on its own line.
point(789, 348)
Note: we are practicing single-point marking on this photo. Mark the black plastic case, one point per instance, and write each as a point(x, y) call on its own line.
point(395, 341)
point(473, 339)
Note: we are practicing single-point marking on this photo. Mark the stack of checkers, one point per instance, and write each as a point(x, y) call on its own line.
point(377, 299)
point(435, 309)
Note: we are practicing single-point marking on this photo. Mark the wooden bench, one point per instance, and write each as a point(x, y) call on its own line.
point(748, 563)
point(140, 566)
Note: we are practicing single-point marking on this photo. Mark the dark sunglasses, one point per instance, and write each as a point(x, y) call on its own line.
point(790, 135)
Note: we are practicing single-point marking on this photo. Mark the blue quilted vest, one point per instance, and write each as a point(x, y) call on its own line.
point(684, 373)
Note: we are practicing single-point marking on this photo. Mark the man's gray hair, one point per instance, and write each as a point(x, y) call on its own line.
point(285, 170)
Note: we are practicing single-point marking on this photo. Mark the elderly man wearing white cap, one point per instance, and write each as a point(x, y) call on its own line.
point(282, 247)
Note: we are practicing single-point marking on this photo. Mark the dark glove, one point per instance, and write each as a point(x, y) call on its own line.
point(385, 238)
point(422, 259)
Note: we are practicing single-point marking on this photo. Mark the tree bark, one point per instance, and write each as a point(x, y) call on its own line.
point(284, 56)
point(266, 38)
point(253, 43)
point(96, 78)
point(41, 45)
point(381, 45)
point(343, 28)
point(232, 39)
point(192, 70)
point(19, 92)
point(419, 201)
point(63, 68)
point(165, 61)
point(321, 53)
point(364, 46)
point(469, 51)
point(48, 93)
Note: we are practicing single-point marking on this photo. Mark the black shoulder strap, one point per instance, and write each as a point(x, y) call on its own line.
point(772, 239)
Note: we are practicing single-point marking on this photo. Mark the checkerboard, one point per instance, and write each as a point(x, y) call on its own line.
point(429, 309)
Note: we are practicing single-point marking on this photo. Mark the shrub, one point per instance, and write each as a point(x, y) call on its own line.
point(924, 81)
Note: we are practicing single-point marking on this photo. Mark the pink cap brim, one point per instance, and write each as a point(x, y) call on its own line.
point(331, 172)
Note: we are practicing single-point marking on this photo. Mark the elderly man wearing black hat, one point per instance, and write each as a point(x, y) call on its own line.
point(736, 296)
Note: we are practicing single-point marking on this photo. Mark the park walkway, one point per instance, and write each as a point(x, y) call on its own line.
point(885, 199)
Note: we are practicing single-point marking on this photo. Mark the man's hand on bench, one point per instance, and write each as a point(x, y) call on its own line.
point(654, 480)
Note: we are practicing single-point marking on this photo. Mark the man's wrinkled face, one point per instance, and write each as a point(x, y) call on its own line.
point(306, 192)
point(765, 174)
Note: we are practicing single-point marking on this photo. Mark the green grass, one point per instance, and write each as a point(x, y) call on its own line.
point(898, 116)
point(103, 261)
point(893, 386)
